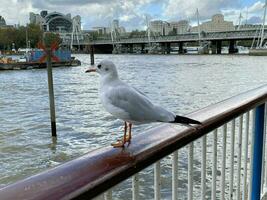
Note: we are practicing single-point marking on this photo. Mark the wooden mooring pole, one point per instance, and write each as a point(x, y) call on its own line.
point(51, 92)
point(92, 55)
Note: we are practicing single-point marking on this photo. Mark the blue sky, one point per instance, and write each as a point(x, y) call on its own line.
point(132, 13)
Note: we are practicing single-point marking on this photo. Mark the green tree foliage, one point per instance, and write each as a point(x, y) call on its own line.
point(50, 38)
point(137, 33)
point(8, 36)
point(35, 34)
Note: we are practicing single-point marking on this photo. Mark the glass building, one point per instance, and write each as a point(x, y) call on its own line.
point(54, 21)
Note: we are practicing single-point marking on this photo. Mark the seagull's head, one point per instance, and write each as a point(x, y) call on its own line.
point(105, 68)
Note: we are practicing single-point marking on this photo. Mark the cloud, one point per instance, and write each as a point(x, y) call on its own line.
point(181, 9)
point(252, 14)
point(256, 7)
point(15, 11)
point(98, 13)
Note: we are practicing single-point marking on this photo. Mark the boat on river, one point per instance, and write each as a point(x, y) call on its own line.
point(258, 52)
point(33, 60)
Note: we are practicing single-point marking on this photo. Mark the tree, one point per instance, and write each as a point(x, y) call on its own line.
point(35, 34)
point(137, 33)
point(18, 36)
point(50, 38)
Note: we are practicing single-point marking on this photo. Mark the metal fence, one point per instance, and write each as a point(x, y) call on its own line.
point(227, 151)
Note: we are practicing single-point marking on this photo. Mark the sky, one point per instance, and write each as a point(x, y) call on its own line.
point(132, 14)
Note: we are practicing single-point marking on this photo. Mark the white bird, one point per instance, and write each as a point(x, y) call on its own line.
point(129, 104)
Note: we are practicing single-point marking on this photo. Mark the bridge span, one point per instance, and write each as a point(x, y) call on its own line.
point(215, 39)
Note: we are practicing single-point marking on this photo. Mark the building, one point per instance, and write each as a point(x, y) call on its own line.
point(102, 30)
point(180, 27)
point(55, 21)
point(121, 30)
point(3, 24)
point(114, 26)
point(157, 27)
point(68, 28)
point(2, 21)
point(36, 19)
point(216, 24)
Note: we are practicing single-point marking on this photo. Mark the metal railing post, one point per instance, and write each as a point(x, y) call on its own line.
point(175, 175)
point(135, 187)
point(257, 152)
point(157, 181)
point(214, 165)
point(190, 170)
point(203, 167)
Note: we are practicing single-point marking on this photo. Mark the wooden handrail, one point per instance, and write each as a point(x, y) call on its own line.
point(95, 172)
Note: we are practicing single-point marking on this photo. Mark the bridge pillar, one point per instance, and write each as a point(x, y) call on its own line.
point(130, 46)
point(168, 48)
point(163, 48)
point(92, 54)
point(219, 47)
point(232, 47)
point(213, 47)
point(142, 48)
point(181, 48)
point(87, 49)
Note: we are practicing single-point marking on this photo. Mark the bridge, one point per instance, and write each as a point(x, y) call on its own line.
point(106, 45)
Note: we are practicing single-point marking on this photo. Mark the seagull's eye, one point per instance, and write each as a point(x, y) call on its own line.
point(106, 69)
point(98, 66)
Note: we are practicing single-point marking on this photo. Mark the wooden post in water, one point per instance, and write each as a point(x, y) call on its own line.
point(51, 92)
point(92, 55)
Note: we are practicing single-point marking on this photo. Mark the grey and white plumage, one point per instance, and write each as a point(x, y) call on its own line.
point(129, 104)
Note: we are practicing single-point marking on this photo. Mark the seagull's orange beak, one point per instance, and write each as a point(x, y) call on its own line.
point(91, 70)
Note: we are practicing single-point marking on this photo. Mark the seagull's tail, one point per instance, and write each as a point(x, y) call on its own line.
point(184, 120)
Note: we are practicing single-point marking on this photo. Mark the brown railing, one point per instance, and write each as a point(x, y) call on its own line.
point(97, 171)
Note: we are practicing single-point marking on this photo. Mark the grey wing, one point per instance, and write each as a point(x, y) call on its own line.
point(137, 105)
point(141, 92)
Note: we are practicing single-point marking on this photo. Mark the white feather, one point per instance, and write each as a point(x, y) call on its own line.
point(126, 102)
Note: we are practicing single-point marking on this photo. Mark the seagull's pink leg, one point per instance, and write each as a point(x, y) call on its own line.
point(129, 137)
point(120, 143)
point(125, 132)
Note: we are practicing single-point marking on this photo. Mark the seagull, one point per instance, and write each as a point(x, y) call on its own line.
point(129, 104)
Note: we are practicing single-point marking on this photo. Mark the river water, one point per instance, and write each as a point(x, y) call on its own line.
point(181, 84)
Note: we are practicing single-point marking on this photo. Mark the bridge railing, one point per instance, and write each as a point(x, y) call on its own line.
point(224, 158)
point(186, 37)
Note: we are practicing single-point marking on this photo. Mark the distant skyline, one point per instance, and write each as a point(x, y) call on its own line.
point(132, 13)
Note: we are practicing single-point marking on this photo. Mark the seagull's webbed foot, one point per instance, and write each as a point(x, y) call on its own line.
point(122, 141)
point(128, 138)
point(117, 144)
